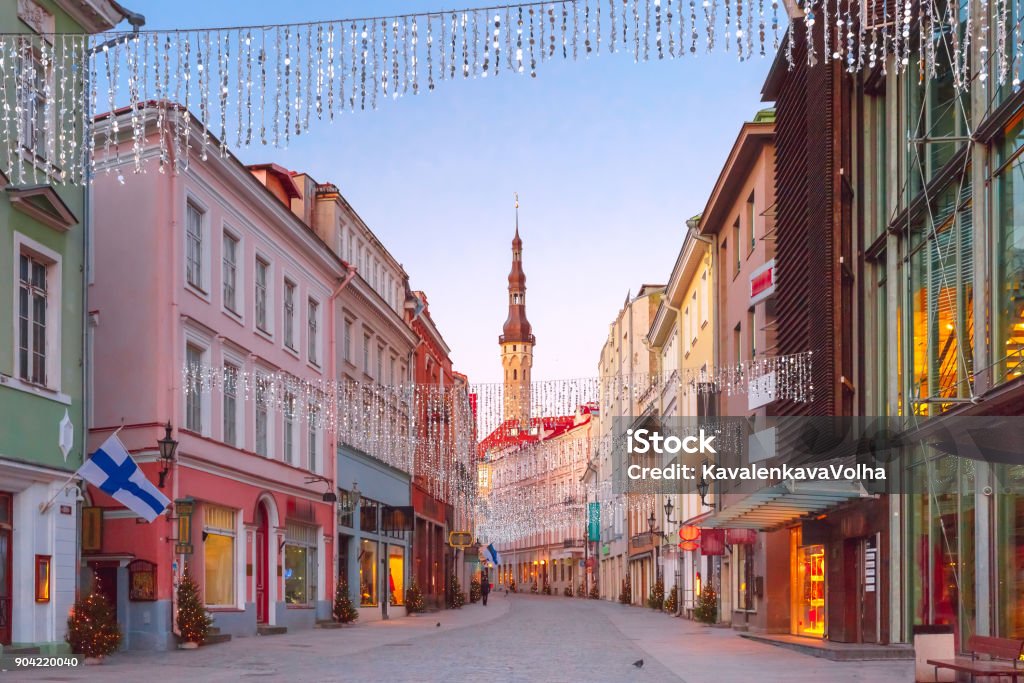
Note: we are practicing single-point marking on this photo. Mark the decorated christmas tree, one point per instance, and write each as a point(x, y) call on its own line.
point(343, 611)
point(456, 598)
point(672, 603)
point(92, 628)
point(594, 593)
point(533, 587)
point(656, 600)
point(568, 591)
point(581, 591)
point(474, 590)
point(414, 599)
point(547, 588)
point(707, 606)
point(626, 594)
point(193, 621)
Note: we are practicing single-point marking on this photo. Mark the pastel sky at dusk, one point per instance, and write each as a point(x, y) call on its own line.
point(609, 159)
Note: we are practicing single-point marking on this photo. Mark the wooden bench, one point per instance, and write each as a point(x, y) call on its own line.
point(1003, 659)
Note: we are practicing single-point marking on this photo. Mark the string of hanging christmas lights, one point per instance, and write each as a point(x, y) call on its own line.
point(266, 84)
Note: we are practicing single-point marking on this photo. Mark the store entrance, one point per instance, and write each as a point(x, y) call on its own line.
point(808, 608)
point(6, 568)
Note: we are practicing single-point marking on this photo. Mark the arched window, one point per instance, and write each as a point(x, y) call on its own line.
point(515, 374)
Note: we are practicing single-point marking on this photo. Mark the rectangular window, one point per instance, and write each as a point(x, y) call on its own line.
point(366, 354)
point(745, 577)
point(347, 344)
point(380, 364)
point(230, 404)
point(737, 349)
point(736, 250)
point(289, 314)
point(694, 304)
point(312, 338)
point(391, 371)
point(751, 217)
point(230, 272)
point(312, 419)
point(219, 556)
point(262, 417)
point(32, 303)
point(194, 397)
point(368, 574)
point(300, 564)
point(194, 245)
point(35, 77)
point(705, 295)
point(752, 332)
point(262, 270)
point(289, 428)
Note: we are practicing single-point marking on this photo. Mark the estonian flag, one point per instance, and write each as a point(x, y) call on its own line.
point(112, 470)
point(492, 555)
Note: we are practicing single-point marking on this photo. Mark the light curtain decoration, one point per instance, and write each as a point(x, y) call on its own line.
point(269, 84)
point(439, 435)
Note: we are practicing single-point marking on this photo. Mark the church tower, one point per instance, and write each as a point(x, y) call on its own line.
point(517, 339)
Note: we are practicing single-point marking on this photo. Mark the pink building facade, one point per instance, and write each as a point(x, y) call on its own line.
point(209, 269)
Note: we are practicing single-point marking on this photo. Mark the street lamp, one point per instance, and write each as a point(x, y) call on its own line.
point(702, 489)
point(669, 507)
point(329, 495)
point(651, 522)
point(167, 446)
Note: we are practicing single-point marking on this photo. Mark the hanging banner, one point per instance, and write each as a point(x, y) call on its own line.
point(712, 542)
point(593, 521)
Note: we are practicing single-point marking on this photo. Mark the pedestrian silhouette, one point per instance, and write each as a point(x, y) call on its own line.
point(485, 587)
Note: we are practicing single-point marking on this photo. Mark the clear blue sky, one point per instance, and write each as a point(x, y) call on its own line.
point(609, 158)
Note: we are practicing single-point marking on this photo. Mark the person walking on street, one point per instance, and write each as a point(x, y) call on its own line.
point(485, 586)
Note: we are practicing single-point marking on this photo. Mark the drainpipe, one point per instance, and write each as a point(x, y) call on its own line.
point(333, 376)
point(174, 368)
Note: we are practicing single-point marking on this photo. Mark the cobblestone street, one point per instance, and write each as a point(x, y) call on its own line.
point(516, 638)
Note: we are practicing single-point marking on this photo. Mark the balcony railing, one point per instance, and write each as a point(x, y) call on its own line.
point(573, 543)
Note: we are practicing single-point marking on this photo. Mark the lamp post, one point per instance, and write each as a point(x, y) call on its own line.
point(651, 522)
point(168, 446)
point(669, 508)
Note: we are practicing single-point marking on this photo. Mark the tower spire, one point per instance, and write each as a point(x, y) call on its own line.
point(517, 338)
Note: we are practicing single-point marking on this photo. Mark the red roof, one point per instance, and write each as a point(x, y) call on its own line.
point(509, 434)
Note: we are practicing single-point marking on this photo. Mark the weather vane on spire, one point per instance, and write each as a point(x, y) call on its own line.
point(516, 195)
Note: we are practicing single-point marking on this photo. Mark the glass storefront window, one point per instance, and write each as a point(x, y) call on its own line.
point(219, 562)
point(300, 569)
point(941, 300)
point(368, 573)
point(809, 602)
point(396, 575)
point(1008, 283)
point(744, 577)
point(1009, 547)
point(941, 535)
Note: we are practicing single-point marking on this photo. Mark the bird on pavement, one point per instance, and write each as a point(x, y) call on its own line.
point(439, 624)
point(638, 663)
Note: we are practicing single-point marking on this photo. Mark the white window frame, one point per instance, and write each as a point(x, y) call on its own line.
point(237, 563)
point(314, 445)
point(262, 379)
point(312, 541)
point(314, 326)
point(288, 416)
point(346, 348)
point(290, 327)
point(268, 295)
point(705, 290)
point(34, 99)
point(202, 288)
point(205, 412)
point(239, 421)
point(367, 339)
point(53, 263)
point(238, 305)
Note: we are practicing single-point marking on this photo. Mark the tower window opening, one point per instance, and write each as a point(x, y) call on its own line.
point(515, 374)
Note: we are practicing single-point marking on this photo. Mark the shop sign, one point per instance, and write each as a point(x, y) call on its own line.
point(141, 581)
point(593, 521)
point(460, 539)
point(712, 542)
point(762, 282)
point(740, 536)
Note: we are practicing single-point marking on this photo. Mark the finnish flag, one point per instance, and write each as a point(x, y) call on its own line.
point(112, 470)
point(492, 555)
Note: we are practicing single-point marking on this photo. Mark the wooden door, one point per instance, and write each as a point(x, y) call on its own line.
point(6, 564)
point(262, 605)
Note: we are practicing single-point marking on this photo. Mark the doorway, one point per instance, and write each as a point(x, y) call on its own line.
point(262, 534)
point(105, 583)
point(6, 564)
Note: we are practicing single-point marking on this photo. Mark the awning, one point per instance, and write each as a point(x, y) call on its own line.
point(777, 505)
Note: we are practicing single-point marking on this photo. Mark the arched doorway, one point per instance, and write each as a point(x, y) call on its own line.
point(262, 564)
